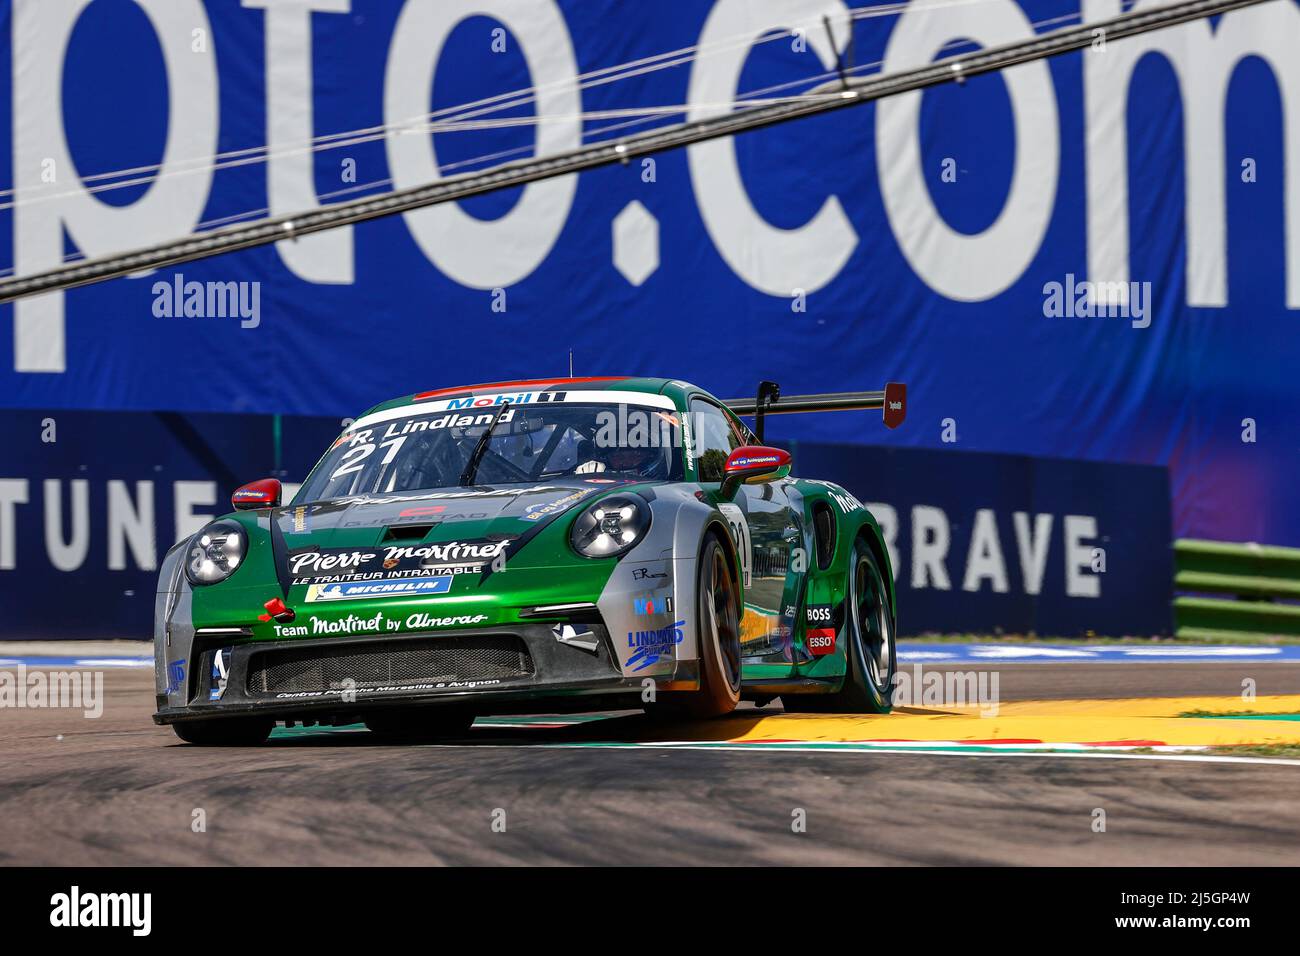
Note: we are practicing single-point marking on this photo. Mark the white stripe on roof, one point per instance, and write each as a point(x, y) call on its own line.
point(443, 405)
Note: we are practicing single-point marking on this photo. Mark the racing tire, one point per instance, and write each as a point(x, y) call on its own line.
point(237, 732)
point(420, 725)
point(718, 626)
point(870, 636)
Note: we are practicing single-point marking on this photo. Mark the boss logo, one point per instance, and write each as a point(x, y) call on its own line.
point(819, 614)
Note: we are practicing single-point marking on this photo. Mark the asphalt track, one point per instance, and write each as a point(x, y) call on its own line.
point(119, 791)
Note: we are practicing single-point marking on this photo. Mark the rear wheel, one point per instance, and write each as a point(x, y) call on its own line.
point(718, 629)
point(422, 724)
point(869, 635)
point(236, 732)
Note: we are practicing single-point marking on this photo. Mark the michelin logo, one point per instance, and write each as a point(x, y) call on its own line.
point(360, 590)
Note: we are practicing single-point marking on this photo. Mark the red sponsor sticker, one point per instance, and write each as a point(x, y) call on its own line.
point(277, 609)
point(416, 512)
point(821, 641)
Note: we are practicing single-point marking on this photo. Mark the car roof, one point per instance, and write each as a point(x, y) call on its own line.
point(679, 391)
point(624, 383)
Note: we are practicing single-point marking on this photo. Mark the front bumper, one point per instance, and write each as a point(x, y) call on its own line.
point(340, 680)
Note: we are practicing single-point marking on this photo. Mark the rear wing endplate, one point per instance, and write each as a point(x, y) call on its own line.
point(892, 401)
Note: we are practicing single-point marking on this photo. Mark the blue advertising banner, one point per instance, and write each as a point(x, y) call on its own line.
point(91, 501)
point(1095, 257)
point(980, 543)
point(984, 543)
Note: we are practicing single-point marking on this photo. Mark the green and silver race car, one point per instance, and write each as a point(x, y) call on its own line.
point(545, 546)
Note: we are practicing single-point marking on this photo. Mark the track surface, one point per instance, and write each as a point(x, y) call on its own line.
point(118, 790)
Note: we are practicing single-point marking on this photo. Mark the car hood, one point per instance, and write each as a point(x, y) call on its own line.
point(480, 517)
point(391, 554)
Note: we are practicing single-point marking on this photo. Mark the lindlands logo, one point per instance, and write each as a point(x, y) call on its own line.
point(179, 299)
point(652, 645)
point(76, 909)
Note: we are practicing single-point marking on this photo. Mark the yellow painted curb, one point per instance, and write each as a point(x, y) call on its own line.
point(1135, 722)
point(1153, 706)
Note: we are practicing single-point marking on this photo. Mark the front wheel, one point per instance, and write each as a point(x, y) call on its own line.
point(231, 732)
point(718, 629)
point(869, 633)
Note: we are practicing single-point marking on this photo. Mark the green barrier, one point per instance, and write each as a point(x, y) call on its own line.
point(1256, 579)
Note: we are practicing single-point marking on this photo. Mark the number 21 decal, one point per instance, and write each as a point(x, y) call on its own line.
point(355, 456)
point(740, 534)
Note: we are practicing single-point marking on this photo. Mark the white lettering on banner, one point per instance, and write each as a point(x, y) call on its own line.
point(1032, 546)
point(1079, 579)
point(70, 555)
point(130, 524)
point(13, 492)
point(984, 559)
point(773, 260)
point(968, 268)
point(931, 538)
point(474, 252)
point(491, 254)
point(44, 211)
point(131, 527)
point(324, 257)
point(191, 494)
point(1204, 61)
point(132, 534)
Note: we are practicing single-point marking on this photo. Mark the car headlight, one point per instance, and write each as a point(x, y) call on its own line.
point(611, 526)
point(215, 552)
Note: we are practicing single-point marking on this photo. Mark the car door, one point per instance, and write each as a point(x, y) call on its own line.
point(767, 526)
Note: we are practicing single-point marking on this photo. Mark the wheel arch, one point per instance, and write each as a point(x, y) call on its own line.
point(717, 526)
point(865, 527)
point(684, 522)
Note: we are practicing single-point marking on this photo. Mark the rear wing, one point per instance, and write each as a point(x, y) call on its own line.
point(892, 401)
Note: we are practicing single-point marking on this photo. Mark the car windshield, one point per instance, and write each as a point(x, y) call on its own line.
point(415, 448)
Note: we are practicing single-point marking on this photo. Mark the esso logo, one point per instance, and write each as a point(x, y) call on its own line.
point(821, 641)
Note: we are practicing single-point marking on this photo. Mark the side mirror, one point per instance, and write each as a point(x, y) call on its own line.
point(753, 464)
point(263, 493)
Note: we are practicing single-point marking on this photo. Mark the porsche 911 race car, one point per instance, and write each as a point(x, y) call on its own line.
point(546, 546)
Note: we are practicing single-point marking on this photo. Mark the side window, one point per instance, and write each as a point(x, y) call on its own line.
point(715, 439)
